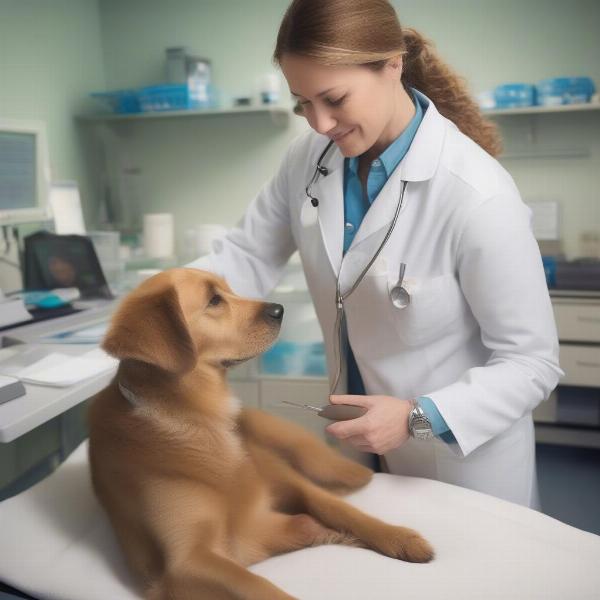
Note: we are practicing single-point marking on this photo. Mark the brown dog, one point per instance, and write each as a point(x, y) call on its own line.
point(195, 488)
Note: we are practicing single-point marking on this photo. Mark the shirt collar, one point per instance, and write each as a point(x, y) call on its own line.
point(395, 152)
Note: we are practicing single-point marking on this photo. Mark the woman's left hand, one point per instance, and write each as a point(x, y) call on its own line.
point(382, 428)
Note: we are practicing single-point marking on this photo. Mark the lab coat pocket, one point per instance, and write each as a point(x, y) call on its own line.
point(435, 305)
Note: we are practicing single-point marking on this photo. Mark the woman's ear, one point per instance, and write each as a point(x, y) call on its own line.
point(150, 327)
point(394, 66)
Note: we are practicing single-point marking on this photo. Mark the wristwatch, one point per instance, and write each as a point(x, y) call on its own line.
point(419, 426)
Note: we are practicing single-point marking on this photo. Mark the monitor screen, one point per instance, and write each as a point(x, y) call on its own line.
point(17, 171)
point(24, 172)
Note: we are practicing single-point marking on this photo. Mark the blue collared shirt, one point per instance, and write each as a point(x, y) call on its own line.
point(356, 205)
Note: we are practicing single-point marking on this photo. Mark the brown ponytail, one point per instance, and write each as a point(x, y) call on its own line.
point(424, 71)
point(367, 32)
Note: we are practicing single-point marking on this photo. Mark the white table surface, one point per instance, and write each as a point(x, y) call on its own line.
point(42, 403)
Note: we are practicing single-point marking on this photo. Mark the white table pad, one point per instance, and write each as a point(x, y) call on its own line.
point(56, 544)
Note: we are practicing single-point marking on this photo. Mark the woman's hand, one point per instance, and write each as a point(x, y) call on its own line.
point(382, 428)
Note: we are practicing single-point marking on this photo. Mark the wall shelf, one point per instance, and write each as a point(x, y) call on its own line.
point(540, 110)
point(530, 125)
point(549, 153)
point(277, 114)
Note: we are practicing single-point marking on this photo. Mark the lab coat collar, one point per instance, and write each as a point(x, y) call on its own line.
point(423, 156)
point(419, 164)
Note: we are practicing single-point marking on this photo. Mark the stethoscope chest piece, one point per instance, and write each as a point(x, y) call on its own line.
point(398, 295)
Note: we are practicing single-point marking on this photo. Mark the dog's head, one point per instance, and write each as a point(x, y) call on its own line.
point(180, 317)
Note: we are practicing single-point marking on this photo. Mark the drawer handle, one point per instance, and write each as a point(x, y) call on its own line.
point(588, 319)
point(583, 363)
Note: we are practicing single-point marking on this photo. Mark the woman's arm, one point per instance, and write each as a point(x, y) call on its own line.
point(502, 277)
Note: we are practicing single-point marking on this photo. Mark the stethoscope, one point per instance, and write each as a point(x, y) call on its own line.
point(399, 297)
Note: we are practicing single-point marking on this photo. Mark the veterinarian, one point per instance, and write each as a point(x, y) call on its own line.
point(451, 373)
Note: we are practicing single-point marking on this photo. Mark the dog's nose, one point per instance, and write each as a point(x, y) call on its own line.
point(274, 311)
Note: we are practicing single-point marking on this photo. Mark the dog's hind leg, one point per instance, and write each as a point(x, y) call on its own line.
point(295, 492)
point(392, 540)
point(202, 574)
point(280, 533)
point(303, 450)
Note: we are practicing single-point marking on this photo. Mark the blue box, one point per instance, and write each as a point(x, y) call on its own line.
point(120, 101)
point(565, 90)
point(514, 95)
point(170, 96)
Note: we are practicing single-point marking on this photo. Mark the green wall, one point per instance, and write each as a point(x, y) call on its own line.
point(207, 170)
point(50, 58)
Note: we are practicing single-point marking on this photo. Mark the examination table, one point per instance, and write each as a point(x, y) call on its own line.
point(56, 544)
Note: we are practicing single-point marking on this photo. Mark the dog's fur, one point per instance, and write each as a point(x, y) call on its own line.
point(197, 489)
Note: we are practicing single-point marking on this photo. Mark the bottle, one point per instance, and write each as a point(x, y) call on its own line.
point(198, 81)
point(270, 88)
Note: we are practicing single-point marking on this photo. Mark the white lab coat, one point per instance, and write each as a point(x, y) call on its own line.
point(478, 337)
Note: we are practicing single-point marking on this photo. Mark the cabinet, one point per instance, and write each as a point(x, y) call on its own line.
point(571, 416)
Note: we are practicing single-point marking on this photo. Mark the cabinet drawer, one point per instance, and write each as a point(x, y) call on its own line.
point(581, 365)
point(577, 322)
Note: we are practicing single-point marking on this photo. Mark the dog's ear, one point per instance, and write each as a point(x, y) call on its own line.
point(151, 328)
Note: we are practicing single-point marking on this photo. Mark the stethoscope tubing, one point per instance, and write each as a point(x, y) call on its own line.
point(340, 298)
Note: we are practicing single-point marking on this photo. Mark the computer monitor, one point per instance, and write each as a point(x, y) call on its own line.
point(24, 172)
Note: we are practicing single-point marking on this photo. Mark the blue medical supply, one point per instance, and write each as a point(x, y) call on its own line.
point(514, 95)
point(52, 298)
point(120, 101)
point(549, 263)
point(174, 96)
point(565, 90)
point(294, 359)
point(170, 96)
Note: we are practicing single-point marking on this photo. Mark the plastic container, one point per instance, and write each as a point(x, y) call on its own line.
point(514, 95)
point(120, 101)
point(170, 96)
point(270, 88)
point(198, 71)
point(159, 235)
point(176, 72)
point(565, 90)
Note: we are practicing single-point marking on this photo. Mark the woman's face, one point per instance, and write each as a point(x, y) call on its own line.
point(353, 105)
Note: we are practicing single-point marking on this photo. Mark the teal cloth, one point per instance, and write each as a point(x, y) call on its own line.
point(356, 205)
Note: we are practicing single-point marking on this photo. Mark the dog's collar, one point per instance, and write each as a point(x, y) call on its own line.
point(129, 395)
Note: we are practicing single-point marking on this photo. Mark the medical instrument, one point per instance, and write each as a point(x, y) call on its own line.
point(339, 297)
point(333, 412)
point(399, 296)
point(319, 170)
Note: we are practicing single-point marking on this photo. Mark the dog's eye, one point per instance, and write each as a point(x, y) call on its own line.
point(215, 300)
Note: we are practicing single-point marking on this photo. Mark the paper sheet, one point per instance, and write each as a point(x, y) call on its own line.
point(62, 370)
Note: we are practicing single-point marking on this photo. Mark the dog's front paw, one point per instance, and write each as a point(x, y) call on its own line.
point(406, 544)
point(402, 543)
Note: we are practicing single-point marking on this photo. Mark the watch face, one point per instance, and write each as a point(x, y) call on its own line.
point(423, 431)
point(420, 426)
